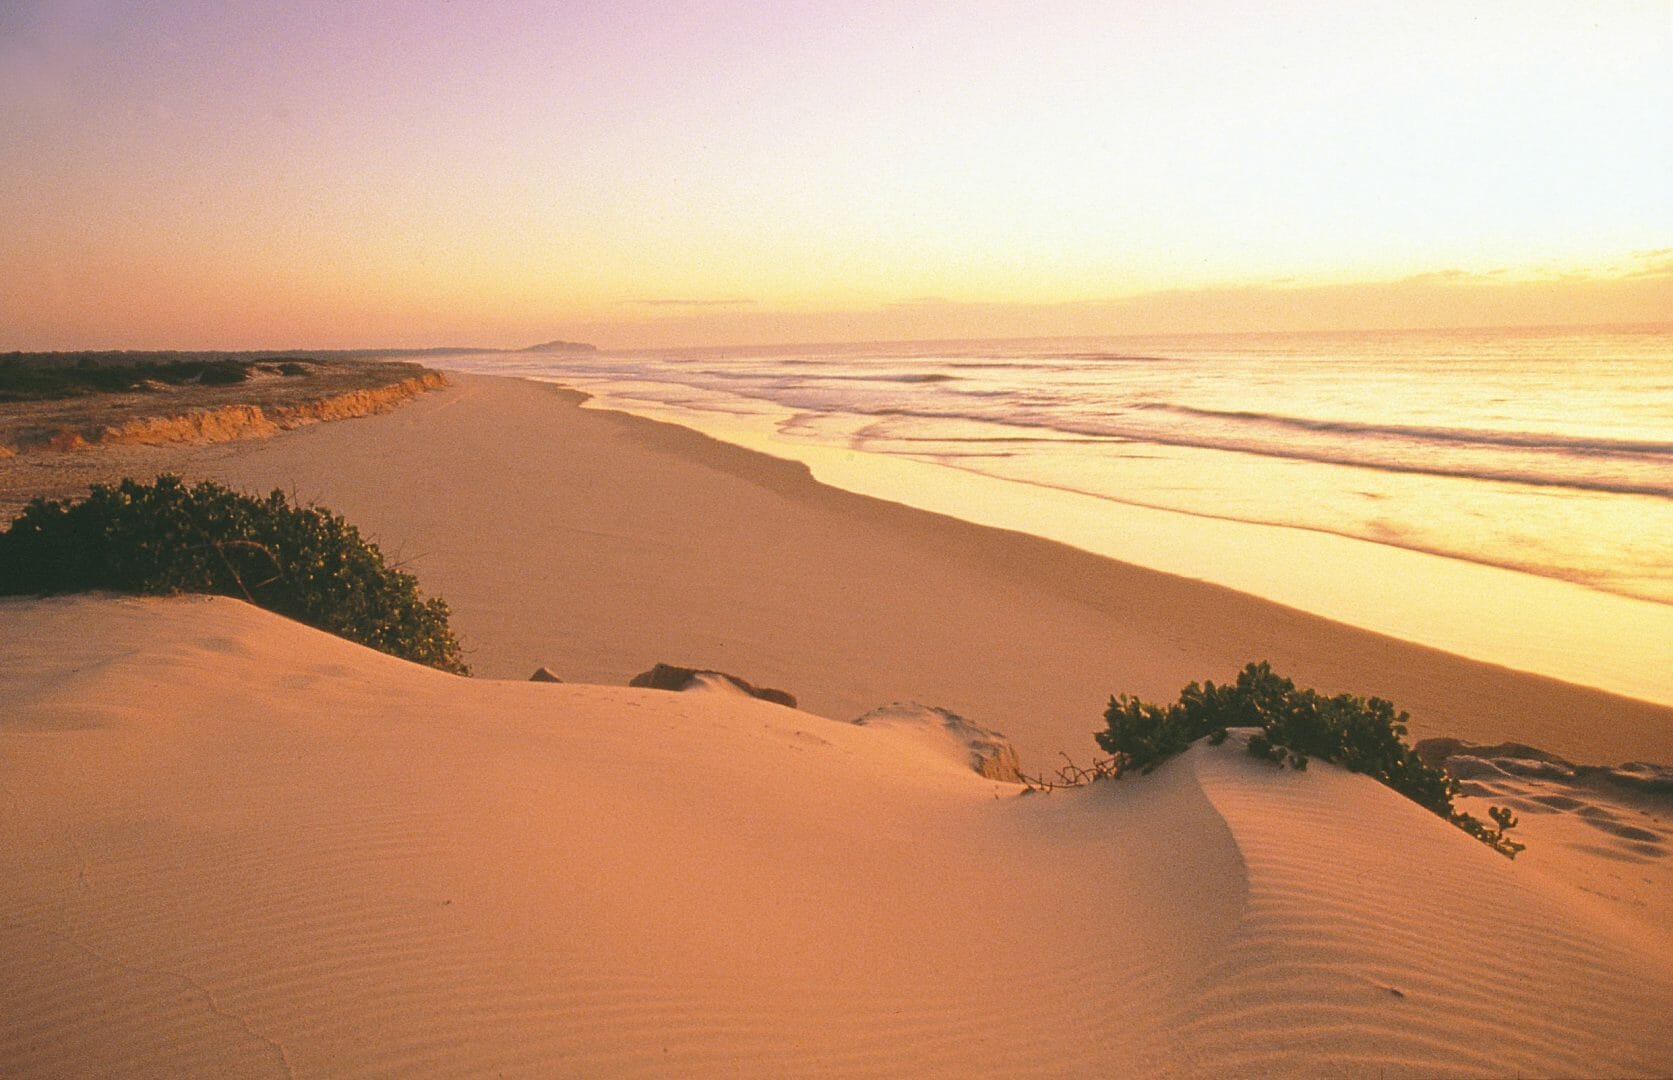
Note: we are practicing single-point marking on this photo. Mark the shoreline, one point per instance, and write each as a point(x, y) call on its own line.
point(599, 543)
point(1404, 592)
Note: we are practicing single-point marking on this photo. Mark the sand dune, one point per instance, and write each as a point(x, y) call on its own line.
point(232, 845)
point(1612, 839)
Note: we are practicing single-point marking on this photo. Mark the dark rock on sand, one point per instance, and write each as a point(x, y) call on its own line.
point(1471, 761)
point(1657, 779)
point(670, 677)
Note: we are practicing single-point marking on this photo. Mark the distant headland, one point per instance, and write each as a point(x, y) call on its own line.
point(562, 347)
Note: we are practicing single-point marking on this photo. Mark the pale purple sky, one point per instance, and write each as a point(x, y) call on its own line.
point(225, 173)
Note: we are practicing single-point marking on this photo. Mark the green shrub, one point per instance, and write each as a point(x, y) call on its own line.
point(48, 382)
point(301, 562)
point(1364, 735)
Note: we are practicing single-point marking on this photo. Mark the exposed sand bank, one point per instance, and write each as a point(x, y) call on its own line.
point(598, 544)
point(42, 432)
point(232, 845)
point(229, 422)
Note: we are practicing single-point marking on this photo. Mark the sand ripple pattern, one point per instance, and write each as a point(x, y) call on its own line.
point(1406, 958)
point(234, 846)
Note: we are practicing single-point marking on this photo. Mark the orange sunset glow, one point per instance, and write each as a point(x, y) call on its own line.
point(199, 175)
point(836, 539)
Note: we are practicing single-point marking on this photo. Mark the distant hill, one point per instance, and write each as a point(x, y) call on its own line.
point(562, 346)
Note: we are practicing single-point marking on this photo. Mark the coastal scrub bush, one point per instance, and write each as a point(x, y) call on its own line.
point(1363, 735)
point(164, 537)
point(21, 381)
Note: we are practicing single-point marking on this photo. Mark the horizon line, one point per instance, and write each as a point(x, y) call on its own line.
point(413, 350)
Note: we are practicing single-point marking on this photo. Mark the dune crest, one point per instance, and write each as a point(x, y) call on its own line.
point(235, 845)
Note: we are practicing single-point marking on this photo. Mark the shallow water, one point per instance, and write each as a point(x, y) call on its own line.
point(1545, 452)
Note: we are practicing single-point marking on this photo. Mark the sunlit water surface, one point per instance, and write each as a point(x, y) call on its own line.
point(1322, 470)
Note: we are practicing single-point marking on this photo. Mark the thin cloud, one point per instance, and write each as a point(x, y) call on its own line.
point(1664, 268)
point(665, 302)
point(1435, 276)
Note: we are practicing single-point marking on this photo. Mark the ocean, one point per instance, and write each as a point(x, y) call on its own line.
point(1546, 453)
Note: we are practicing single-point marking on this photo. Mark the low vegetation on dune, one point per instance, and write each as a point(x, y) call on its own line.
point(1293, 726)
point(302, 562)
point(22, 381)
point(310, 565)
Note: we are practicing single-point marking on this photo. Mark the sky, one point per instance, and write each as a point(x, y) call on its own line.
point(341, 175)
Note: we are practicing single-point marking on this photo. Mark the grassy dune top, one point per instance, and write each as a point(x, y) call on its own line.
point(39, 397)
point(135, 406)
point(54, 382)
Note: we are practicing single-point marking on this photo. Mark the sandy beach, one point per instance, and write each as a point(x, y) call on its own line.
point(599, 544)
point(233, 845)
